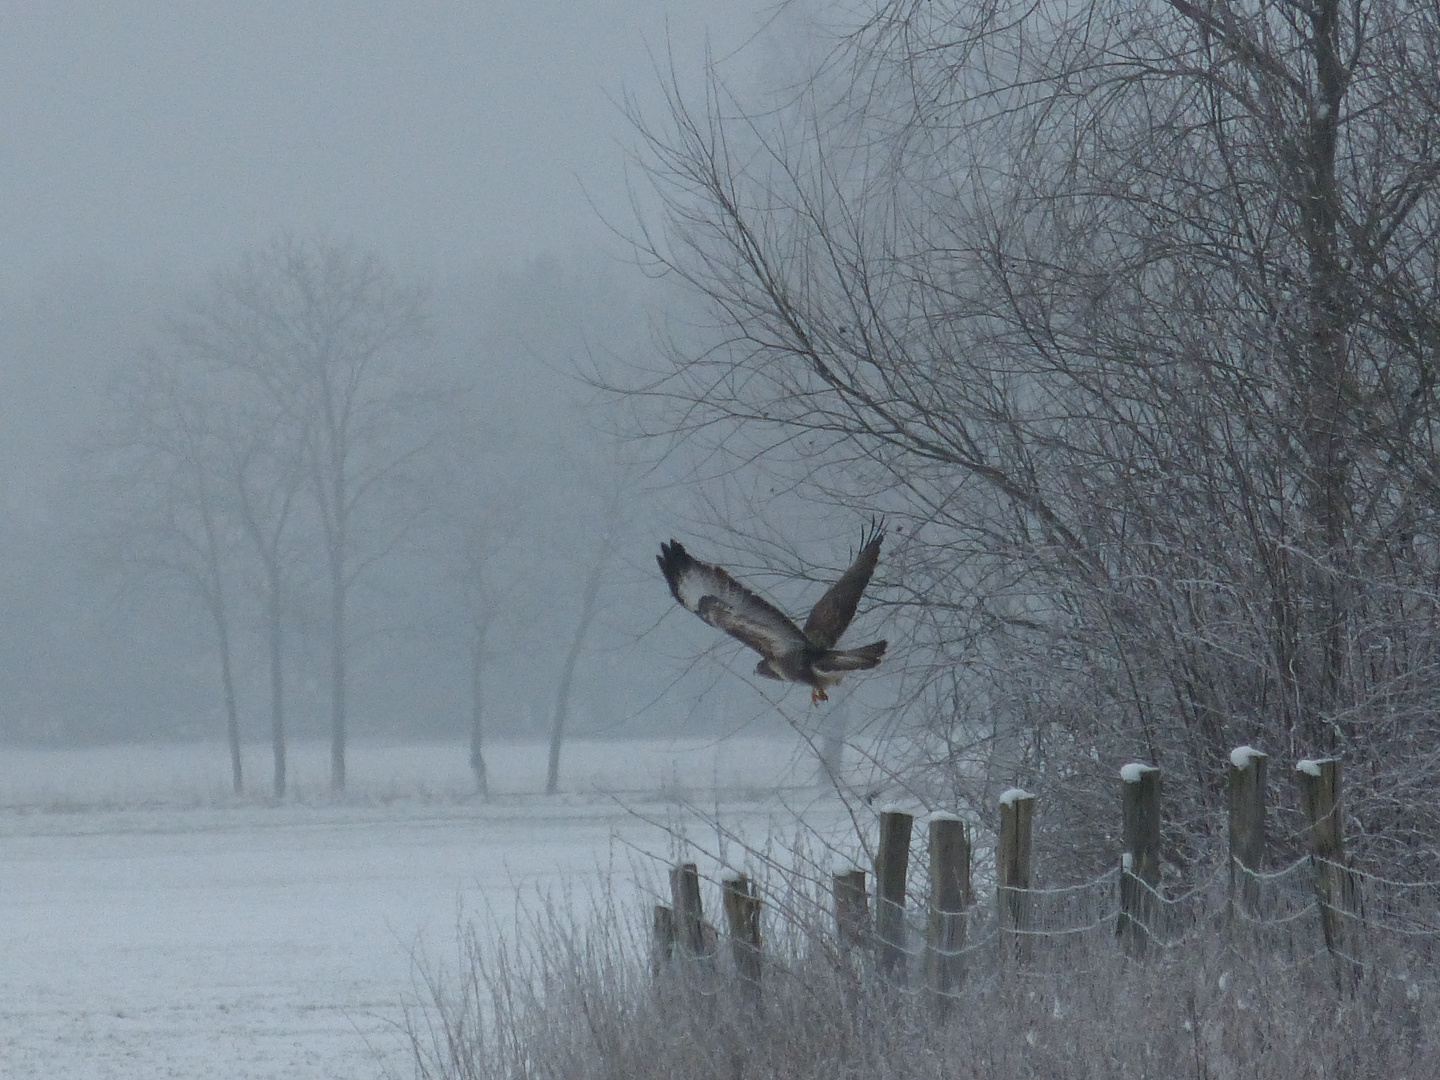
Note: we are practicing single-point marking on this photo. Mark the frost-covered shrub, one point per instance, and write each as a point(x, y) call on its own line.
point(574, 999)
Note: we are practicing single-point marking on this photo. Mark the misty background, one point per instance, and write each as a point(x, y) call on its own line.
point(478, 155)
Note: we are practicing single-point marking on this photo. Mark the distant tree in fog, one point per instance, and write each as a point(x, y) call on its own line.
point(596, 557)
point(266, 483)
point(474, 549)
point(350, 490)
point(329, 339)
point(282, 432)
point(162, 478)
point(481, 608)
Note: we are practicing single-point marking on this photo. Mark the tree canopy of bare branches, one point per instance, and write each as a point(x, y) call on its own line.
point(1128, 312)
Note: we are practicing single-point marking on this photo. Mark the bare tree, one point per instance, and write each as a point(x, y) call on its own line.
point(481, 517)
point(597, 559)
point(1127, 313)
point(161, 471)
point(332, 339)
point(266, 485)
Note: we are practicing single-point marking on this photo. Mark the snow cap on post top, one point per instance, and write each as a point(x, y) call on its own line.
point(1010, 796)
point(1309, 766)
point(1242, 756)
point(1132, 772)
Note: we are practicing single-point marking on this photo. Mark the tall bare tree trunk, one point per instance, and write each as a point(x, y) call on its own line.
point(232, 711)
point(337, 681)
point(219, 612)
point(1328, 378)
point(277, 688)
point(567, 673)
point(477, 718)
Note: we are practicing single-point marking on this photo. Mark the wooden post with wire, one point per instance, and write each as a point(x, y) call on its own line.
point(950, 895)
point(1246, 778)
point(1335, 885)
point(892, 867)
point(1140, 863)
point(742, 914)
point(1012, 874)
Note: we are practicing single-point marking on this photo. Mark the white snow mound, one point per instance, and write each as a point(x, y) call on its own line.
point(1012, 795)
point(1242, 756)
point(1132, 773)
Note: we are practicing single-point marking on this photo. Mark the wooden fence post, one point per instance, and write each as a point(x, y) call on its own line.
point(949, 852)
point(1335, 886)
point(688, 916)
point(1246, 782)
point(1140, 864)
point(892, 865)
point(852, 908)
point(1012, 873)
point(742, 914)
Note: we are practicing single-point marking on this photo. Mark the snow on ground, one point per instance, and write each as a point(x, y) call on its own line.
point(152, 925)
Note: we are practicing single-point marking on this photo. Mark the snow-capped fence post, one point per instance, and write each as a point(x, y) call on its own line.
point(742, 914)
point(1335, 888)
point(1012, 873)
point(949, 851)
point(892, 865)
point(1246, 781)
point(1140, 863)
point(852, 908)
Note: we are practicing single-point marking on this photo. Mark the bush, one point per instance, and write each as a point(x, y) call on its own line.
point(574, 998)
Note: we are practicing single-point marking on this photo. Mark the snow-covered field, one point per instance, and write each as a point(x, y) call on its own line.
point(151, 925)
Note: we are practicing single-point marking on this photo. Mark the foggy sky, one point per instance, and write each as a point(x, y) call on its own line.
point(165, 135)
point(147, 146)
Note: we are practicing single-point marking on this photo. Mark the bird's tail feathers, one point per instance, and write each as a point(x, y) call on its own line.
point(861, 659)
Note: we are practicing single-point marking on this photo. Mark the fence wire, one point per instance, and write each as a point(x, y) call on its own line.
point(1309, 911)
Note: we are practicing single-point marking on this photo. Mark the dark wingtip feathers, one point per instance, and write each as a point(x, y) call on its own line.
point(673, 559)
point(874, 533)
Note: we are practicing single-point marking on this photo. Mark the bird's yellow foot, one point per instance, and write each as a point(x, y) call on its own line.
point(817, 695)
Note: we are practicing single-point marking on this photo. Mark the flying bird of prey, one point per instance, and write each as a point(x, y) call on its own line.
point(787, 652)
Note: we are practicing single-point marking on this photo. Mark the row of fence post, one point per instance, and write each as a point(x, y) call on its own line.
point(1335, 885)
point(680, 930)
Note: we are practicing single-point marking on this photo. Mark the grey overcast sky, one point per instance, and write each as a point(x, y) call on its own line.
point(168, 135)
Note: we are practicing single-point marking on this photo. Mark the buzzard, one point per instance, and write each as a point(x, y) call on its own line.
point(787, 652)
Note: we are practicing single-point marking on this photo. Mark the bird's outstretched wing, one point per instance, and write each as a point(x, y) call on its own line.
point(829, 618)
point(724, 603)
